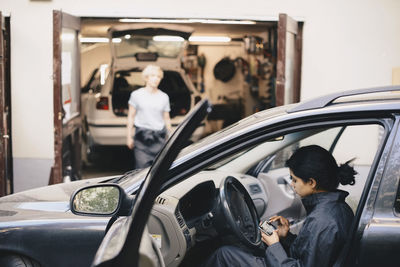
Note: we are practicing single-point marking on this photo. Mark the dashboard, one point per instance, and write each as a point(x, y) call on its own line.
point(198, 202)
point(183, 212)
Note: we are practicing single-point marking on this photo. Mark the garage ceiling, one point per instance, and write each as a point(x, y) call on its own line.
point(97, 27)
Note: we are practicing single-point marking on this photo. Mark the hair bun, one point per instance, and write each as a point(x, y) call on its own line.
point(346, 173)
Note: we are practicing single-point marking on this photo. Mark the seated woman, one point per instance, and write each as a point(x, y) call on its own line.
point(315, 177)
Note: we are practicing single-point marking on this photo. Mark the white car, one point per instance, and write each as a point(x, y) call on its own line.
point(133, 48)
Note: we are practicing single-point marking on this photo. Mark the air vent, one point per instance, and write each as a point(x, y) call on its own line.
point(254, 189)
point(179, 218)
point(161, 200)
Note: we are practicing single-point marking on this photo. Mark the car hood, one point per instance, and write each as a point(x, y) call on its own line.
point(36, 202)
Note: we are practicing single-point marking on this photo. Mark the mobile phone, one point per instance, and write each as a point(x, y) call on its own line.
point(267, 227)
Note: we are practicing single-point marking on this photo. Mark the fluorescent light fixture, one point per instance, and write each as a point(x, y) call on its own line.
point(98, 40)
point(213, 39)
point(216, 21)
point(208, 21)
point(168, 38)
point(94, 40)
point(156, 20)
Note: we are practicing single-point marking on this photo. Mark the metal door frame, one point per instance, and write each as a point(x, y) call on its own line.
point(287, 24)
point(72, 128)
point(6, 171)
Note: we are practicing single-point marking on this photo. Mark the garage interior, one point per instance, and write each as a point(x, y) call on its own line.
point(236, 70)
point(241, 70)
point(250, 47)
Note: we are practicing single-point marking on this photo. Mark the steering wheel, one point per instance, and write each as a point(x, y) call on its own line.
point(239, 211)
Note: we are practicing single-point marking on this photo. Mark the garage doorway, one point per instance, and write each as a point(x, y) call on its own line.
point(268, 69)
point(6, 174)
point(278, 40)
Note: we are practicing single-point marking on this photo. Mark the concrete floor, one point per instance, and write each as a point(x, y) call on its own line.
point(109, 161)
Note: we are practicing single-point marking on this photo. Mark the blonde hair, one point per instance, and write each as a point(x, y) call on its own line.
point(150, 69)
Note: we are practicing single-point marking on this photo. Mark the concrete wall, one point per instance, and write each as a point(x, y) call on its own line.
point(347, 44)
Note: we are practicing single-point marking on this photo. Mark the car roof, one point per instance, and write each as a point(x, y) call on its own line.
point(361, 100)
point(376, 94)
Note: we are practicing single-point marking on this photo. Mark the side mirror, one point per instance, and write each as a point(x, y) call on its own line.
point(99, 200)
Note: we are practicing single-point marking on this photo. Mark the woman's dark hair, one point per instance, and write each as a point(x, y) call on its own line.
point(316, 162)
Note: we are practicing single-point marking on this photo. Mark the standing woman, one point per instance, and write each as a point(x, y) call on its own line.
point(149, 122)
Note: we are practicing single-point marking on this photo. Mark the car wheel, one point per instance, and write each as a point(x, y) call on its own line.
point(12, 260)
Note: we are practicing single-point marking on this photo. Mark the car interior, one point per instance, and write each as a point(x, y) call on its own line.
point(172, 84)
point(189, 221)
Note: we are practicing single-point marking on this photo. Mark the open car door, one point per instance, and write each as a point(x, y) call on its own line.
point(120, 246)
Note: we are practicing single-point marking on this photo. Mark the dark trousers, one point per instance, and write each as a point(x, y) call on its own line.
point(148, 144)
point(230, 256)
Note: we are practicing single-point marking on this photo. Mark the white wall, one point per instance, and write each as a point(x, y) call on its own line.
point(347, 44)
point(92, 58)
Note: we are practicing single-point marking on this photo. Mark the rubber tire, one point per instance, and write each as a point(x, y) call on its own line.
point(12, 260)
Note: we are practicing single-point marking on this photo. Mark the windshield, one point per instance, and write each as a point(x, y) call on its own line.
point(233, 129)
point(129, 46)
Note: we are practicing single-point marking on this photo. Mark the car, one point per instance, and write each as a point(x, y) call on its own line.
point(196, 198)
point(133, 47)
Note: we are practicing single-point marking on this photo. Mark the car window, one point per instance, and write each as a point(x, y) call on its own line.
point(324, 139)
point(172, 84)
point(357, 142)
point(361, 143)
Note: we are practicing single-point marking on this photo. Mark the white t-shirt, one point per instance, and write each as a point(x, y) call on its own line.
point(149, 108)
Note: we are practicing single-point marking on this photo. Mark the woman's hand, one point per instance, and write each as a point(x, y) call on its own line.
point(130, 143)
point(283, 225)
point(270, 239)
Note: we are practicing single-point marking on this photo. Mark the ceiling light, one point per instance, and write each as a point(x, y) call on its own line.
point(93, 40)
point(127, 36)
point(213, 39)
point(168, 38)
point(156, 20)
point(207, 21)
point(216, 21)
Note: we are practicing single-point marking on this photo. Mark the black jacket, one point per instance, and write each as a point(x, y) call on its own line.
point(322, 236)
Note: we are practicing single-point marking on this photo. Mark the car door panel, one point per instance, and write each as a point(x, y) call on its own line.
point(379, 240)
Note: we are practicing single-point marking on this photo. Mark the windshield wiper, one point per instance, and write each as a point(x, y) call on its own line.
point(125, 175)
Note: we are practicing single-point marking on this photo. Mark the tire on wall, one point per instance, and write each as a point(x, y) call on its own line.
point(12, 260)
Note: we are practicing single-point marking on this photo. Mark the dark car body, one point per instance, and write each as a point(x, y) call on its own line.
point(38, 224)
point(54, 236)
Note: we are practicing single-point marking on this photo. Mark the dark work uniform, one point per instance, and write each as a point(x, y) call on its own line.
point(147, 145)
point(318, 244)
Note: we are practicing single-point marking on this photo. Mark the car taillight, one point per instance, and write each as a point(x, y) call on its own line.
point(102, 103)
point(182, 111)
